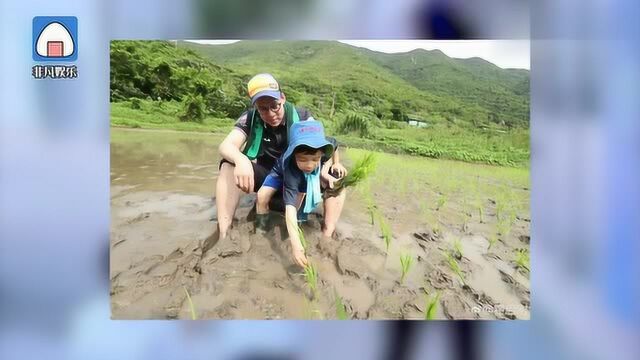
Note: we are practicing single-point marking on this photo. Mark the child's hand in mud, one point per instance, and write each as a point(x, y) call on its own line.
point(339, 170)
point(298, 255)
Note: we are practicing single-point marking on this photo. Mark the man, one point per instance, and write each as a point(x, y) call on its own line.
point(251, 149)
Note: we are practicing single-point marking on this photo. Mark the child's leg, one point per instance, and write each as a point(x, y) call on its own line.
point(264, 196)
point(332, 210)
point(271, 184)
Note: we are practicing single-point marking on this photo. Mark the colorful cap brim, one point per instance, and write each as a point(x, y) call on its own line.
point(270, 93)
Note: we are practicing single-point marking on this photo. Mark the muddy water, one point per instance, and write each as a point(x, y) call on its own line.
point(162, 191)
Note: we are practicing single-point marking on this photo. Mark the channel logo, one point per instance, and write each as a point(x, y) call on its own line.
point(55, 39)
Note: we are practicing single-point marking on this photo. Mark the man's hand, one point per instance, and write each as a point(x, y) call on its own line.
point(243, 175)
point(297, 251)
point(339, 170)
point(330, 180)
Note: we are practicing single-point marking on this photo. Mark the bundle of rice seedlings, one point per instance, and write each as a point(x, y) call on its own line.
point(303, 240)
point(364, 167)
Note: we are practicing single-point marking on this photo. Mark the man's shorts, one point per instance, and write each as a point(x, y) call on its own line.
point(260, 172)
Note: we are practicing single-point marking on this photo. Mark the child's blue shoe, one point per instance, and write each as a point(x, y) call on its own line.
point(303, 217)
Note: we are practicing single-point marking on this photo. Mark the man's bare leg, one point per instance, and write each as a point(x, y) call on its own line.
point(332, 210)
point(227, 198)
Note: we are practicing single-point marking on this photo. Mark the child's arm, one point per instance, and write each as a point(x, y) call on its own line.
point(291, 218)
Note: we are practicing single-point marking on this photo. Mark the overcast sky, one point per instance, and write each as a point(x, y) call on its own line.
point(503, 53)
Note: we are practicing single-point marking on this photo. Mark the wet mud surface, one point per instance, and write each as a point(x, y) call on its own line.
point(163, 248)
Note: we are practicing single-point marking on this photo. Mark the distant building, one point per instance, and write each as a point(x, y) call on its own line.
point(414, 120)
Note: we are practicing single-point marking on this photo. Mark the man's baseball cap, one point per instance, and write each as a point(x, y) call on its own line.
point(263, 85)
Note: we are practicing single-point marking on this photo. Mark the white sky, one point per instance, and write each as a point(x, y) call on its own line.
point(504, 53)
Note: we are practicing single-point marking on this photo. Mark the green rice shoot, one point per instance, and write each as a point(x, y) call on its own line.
point(191, 307)
point(303, 240)
point(341, 310)
point(522, 259)
point(405, 263)
point(431, 306)
point(457, 249)
point(386, 232)
point(455, 267)
point(311, 276)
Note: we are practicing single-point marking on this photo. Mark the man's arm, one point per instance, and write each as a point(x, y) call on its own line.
point(230, 147)
point(336, 166)
point(230, 150)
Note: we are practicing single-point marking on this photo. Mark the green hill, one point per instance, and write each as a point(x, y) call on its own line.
point(503, 92)
point(473, 91)
point(473, 110)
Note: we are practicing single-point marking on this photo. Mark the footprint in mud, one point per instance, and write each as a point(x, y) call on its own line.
point(440, 280)
point(398, 302)
point(522, 293)
point(360, 259)
point(454, 308)
point(329, 247)
point(138, 218)
point(118, 242)
point(427, 235)
point(486, 306)
point(227, 247)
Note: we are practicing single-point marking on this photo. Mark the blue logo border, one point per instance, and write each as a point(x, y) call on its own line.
point(40, 22)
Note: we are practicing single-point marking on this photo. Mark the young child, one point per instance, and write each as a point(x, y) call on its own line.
point(306, 167)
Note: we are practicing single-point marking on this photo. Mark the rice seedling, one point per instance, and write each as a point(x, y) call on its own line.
point(311, 312)
point(522, 259)
point(455, 267)
point(311, 276)
point(386, 232)
point(503, 228)
point(442, 199)
point(492, 240)
point(431, 306)
point(457, 249)
point(372, 208)
point(341, 310)
point(191, 307)
point(436, 224)
point(467, 219)
point(405, 263)
point(480, 212)
point(512, 216)
point(499, 209)
point(364, 167)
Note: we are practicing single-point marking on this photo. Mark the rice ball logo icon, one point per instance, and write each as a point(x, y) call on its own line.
point(55, 38)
